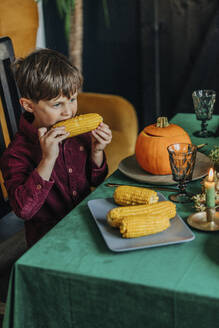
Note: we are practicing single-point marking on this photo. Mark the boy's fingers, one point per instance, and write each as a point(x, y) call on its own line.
point(57, 131)
point(101, 140)
point(102, 134)
point(104, 130)
point(104, 125)
point(41, 132)
point(59, 136)
point(62, 137)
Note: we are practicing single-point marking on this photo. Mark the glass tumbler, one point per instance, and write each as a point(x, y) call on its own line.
point(182, 158)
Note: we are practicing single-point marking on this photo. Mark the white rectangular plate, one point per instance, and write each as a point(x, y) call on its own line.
point(178, 232)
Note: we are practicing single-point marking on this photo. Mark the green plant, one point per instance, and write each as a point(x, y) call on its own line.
point(66, 8)
point(214, 156)
point(199, 201)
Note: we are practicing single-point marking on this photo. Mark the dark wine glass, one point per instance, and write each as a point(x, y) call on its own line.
point(182, 161)
point(203, 101)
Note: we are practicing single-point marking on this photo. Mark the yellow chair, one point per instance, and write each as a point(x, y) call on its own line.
point(121, 117)
point(19, 21)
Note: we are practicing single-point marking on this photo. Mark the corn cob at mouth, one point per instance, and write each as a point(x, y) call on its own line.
point(143, 225)
point(164, 209)
point(129, 195)
point(80, 124)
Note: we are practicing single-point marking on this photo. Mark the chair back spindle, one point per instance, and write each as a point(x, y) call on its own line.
point(10, 111)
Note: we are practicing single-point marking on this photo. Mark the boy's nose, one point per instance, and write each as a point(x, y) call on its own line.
point(67, 111)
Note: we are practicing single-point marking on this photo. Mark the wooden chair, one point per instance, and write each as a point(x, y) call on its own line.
point(12, 240)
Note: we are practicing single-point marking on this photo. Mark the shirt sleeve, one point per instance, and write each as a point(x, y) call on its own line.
point(27, 192)
point(98, 174)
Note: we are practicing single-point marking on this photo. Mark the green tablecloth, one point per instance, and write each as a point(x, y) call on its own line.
point(71, 279)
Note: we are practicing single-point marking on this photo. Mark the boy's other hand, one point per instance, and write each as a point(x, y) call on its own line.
point(102, 137)
point(49, 141)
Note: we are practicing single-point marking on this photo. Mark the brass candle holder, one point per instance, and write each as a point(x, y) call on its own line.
point(206, 221)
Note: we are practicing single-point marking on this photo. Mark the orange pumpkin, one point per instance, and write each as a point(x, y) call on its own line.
point(151, 146)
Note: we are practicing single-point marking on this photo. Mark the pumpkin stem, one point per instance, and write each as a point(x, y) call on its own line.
point(162, 122)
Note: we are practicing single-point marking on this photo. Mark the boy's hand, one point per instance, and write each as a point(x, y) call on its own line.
point(102, 136)
point(49, 141)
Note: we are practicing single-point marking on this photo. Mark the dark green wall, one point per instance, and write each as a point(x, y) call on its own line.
point(156, 67)
point(54, 28)
point(111, 59)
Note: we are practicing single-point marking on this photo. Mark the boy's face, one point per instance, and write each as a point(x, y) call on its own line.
point(48, 112)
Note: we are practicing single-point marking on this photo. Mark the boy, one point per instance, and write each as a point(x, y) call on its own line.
point(46, 175)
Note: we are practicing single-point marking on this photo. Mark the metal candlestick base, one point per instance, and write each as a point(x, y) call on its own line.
point(206, 221)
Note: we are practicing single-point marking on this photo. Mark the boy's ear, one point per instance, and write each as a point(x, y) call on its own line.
point(27, 104)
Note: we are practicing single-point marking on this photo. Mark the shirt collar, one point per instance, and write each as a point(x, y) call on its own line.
point(27, 128)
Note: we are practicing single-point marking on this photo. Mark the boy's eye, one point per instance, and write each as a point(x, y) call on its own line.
point(72, 100)
point(56, 105)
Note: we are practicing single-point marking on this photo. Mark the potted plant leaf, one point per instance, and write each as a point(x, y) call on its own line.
point(72, 12)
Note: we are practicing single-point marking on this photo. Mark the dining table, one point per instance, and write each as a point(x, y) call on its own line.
point(72, 278)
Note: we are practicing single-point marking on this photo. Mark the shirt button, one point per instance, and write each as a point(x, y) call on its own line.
point(81, 148)
point(74, 192)
point(70, 170)
point(38, 187)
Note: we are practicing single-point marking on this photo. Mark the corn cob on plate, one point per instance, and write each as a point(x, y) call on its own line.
point(129, 195)
point(80, 124)
point(152, 219)
point(160, 209)
point(177, 232)
point(142, 225)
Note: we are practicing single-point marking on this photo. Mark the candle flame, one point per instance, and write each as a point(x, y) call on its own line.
point(211, 175)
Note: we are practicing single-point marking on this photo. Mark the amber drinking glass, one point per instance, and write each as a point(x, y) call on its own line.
point(203, 101)
point(182, 161)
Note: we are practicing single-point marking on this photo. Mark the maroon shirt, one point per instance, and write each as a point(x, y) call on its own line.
point(43, 203)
